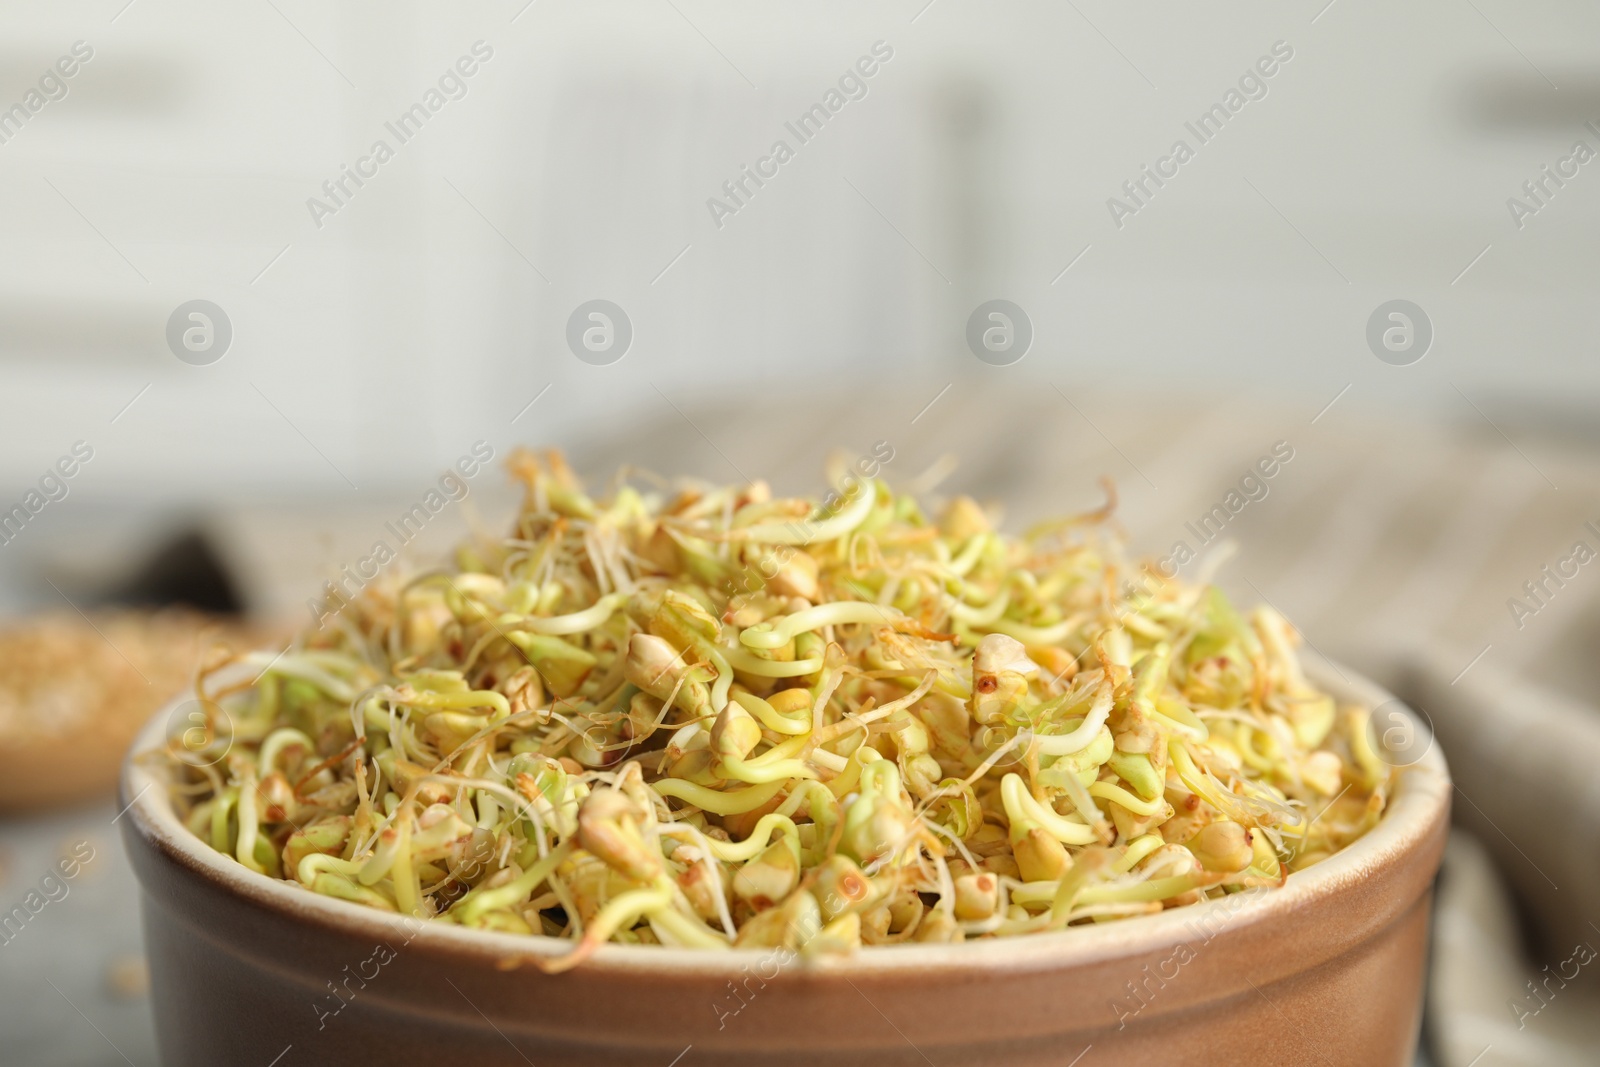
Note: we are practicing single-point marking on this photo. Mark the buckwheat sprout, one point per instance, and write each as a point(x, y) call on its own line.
point(318, 862)
point(706, 862)
point(1181, 719)
point(361, 710)
point(382, 859)
point(740, 659)
point(983, 616)
point(955, 840)
point(1033, 635)
point(752, 846)
point(222, 807)
point(464, 701)
point(576, 621)
point(398, 725)
point(724, 683)
point(620, 913)
point(861, 720)
point(1118, 795)
point(1021, 740)
point(1080, 738)
point(682, 930)
point(770, 717)
point(1361, 747)
point(1137, 850)
point(962, 564)
point(731, 802)
point(784, 771)
point(775, 635)
point(519, 808)
point(490, 728)
point(276, 742)
point(672, 716)
point(249, 826)
point(1022, 808)
point(818, 527)
point(481, 901)
point(293, 666)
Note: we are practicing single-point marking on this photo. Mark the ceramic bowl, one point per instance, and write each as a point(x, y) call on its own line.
point(1327, 969)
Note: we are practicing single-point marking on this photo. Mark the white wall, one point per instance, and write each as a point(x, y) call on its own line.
point(408, 325)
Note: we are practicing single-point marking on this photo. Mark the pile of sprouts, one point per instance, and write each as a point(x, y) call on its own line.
point(703, 716)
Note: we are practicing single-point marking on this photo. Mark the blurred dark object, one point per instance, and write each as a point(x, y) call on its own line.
point(185, 570)
point(1517, 98)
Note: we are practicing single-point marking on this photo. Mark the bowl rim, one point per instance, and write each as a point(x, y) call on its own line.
point(1418, 804)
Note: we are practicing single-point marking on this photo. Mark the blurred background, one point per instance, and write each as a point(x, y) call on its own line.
point(370, 315)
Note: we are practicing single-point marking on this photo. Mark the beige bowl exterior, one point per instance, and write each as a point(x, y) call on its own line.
point(1326, 970)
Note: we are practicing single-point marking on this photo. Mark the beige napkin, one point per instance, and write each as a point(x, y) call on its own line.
point(1526, 762)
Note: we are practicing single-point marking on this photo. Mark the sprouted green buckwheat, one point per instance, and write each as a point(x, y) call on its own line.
point(713, 718)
